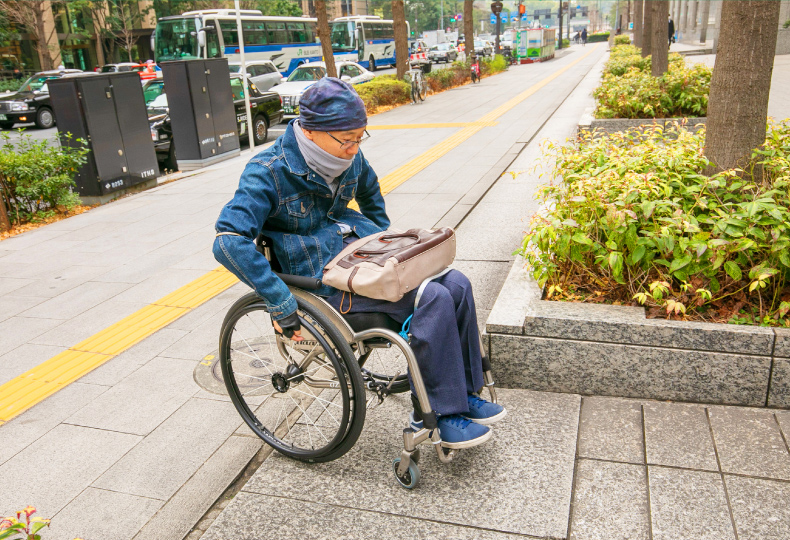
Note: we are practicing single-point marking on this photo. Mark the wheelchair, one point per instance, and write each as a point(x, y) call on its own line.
point(308, 399)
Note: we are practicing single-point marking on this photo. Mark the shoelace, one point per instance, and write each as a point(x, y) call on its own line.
point(457, 420)
point(475, 401)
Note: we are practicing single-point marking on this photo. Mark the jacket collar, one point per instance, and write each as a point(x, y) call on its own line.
point(297, 165)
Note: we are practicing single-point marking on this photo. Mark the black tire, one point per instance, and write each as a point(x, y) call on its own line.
point(44, 118)
point(269, 391)
point(260, 129)
point(415, 94)
point(474, 77)
point(372, 63)
point(6, 125)
point(171, 163)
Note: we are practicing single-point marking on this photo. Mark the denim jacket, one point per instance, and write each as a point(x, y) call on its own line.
point(280, 197)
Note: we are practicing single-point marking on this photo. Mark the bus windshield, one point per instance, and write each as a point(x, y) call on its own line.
point(343, 36)
point(176, 40)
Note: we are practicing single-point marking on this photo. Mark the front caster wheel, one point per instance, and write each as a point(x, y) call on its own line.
point(412, 476)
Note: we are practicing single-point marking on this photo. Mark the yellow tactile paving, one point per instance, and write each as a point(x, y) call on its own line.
point(33, 386)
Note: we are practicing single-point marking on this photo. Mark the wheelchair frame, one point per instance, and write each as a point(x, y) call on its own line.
point(405, 466)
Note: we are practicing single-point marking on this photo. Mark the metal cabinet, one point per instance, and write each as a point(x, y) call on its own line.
point(202, 112)
point(108, 112)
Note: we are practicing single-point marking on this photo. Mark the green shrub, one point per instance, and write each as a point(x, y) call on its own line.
point(628, 90)
point(566, 43)
point(622, 40)
point(383, 91)
point(786, 24)
point(489, 67)
point(9, 85)
point(635, 219)
point(36, 179)
point(600, 36)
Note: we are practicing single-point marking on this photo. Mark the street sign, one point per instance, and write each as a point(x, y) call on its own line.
point(496, 7)
point(524, 18)
point(493, 19)
point(459, 17)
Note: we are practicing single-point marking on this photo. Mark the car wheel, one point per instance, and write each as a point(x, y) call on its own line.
point(171, 163)
point(372, 63)
point(6, 125)
point(260, 129)
point(44, 118)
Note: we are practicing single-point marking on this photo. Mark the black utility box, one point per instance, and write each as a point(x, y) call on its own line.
point(108, 111)
point(202, 113)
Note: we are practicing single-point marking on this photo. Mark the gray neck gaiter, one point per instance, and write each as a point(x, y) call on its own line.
point(327, 166)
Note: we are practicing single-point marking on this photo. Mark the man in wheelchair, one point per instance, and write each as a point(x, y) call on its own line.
point(297, 193)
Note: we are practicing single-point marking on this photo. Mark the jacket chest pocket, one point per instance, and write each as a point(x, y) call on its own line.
point(349, 192)
point(300, 213)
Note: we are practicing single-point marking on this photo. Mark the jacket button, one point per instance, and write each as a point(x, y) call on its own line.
point(338, 232)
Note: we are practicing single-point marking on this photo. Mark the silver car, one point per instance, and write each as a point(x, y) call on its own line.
point(262, 72)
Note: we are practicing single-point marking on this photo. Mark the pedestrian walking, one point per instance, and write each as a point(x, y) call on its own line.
point(671, 31)
point(297, 193)
point(584, 36)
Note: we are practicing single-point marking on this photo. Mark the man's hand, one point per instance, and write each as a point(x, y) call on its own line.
point(289, 327)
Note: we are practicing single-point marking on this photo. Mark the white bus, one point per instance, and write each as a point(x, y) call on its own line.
point(287, 41)
point(365, 39)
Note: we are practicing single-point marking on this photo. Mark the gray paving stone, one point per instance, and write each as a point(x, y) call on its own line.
point(530, 457)
point(210, 308)
point(143, 400)
point(678, 435)
point(610, 502)
point(54, 470)
point(170, 455)
point(25, 429)
point(97, 513)
point(23, 358)
point(77, 300)
point(486, 278)
point(14, 305)
point(251, 513)
point(749, 442)
point(611, 429)
point(31, 238)
point(197, 495)
point(759, 507)
point(782, 345)
point(779, 392)
point(55, 281)
point(159, 285)
point(151, 347)
point(19, 330)
point(8, 284)
point(688, 505)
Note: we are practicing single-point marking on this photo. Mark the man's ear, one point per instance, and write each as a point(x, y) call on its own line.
point(308, 134)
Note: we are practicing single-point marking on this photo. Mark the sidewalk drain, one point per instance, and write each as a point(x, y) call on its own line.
point(208, 372)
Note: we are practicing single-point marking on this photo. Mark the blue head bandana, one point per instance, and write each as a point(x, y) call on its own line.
point(332, 105)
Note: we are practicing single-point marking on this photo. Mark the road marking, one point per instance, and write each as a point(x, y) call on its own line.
point(438, 125)
point(35, 385)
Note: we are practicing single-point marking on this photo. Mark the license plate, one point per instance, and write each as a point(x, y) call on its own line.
point(3, 117)
point(291, 110)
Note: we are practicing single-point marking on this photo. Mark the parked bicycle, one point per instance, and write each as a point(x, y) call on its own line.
point(419, 86)
point(475, 70)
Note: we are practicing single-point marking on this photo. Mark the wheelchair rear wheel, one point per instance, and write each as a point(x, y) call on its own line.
point(382, 363)
point(306, 399)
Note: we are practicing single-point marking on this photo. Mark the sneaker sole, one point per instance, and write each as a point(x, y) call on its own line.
point(490, 420)
point(468, 444)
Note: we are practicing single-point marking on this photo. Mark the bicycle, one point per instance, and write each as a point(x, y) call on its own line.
point(475, 70)
point(419, 86)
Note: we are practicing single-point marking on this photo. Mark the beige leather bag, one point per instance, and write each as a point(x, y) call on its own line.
point(389, 264)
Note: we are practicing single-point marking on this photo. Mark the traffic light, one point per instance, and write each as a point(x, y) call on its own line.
point(412, 32)
point(522, 9)
point(452, 18)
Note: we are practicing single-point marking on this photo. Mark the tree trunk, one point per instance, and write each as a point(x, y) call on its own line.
point(741, 82)
point(703, 33)
point(326, 41)
point(659, 44)
point(694, 12)
point(638, 17)
point(5, 223)
point(684, 13)
point(42, 43)
point(647, 29)
point(401, 38)
point(469, 28)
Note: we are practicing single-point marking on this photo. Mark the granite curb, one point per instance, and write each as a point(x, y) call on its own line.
point(593, 349)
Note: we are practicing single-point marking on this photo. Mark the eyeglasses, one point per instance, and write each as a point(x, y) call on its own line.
point(345, 145)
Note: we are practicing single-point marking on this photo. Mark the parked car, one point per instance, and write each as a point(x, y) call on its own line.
point(483, 48)
point(306, 75)
point(262, 72)
point(443, 52)
point(122, 66)
point(31, 102)
point(265, 107)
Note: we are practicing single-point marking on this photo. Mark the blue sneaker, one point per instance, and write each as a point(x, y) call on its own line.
point(415, 424)
point(483, 412)
point(458, 432)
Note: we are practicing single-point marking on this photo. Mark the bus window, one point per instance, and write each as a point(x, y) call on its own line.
point(229, 33)
point(343, 36)
point(297, 33)
point(276, 32)
point(254, 33)
point(212, 41)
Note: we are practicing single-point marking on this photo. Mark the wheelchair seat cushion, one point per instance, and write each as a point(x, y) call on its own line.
point(365, 321)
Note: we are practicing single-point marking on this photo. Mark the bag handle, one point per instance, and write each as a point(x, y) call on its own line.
point(387, 238)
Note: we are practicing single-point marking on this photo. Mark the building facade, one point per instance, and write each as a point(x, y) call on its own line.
point(337, 8)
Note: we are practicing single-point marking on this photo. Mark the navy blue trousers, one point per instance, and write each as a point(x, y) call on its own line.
point(444, 338)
